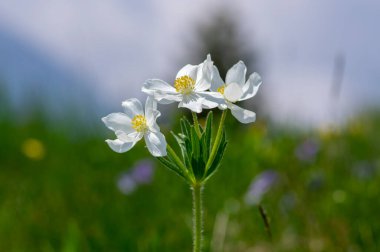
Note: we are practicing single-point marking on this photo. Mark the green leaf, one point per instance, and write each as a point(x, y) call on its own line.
point(197, 162)
point(208, 130)
point(185, 126)
point(186, 135)
point(199, 167)
point(206, 137)
point(195, 144)
point(173, 167)
point(182, 146)
point(172, 159)
point(218, 157)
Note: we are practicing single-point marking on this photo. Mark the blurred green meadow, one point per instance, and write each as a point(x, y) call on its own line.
point(59, 190)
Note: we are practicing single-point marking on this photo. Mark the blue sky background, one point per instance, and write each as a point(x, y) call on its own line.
point(104, 50)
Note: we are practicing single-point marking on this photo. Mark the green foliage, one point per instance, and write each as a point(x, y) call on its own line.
point(218, 157)
point(195, 152)
point(67, 198)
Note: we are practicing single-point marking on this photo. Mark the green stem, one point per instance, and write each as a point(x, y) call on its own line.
point(197, 217)
point(196, 124)
point(217, 140)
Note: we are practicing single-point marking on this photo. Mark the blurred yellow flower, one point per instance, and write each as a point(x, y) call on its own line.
point(328, 132)
point(339, 196)
point(33, 149)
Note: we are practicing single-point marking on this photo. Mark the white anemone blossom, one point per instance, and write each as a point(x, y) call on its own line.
point(235, 89)
point(134, 124)
point(189, 89)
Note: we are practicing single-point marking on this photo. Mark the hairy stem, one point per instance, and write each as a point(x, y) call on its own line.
point(197, 217)
point(196, 124)
point(217, 140)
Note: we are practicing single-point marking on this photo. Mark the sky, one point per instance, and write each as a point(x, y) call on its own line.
point(116, 45)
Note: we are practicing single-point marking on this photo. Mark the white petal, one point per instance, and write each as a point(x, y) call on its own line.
point(151, 114)
point(203, 82)
point(156, 143)
point(166, 98)
point(204, 75)
point(153, 126)
point(132, 107)
point(233, 92)
point(189, 70)
point(243, 115)
point(251, 87)
point(150, 107)
point(151, 86)
point(151, 121)
point(216, 79)
point(222, 106)
point(236, 74)
point(161, 91)
point(131, 137)
point(192, 102)
point(211, 99)
point(118, 121)
point(120, 146)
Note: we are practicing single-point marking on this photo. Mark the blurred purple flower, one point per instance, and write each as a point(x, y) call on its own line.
point(141, 173)
point(126, 183)
point(260, 185)
point(307, 150)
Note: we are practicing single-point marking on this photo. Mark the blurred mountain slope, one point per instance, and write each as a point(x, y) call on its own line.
point(30, 76)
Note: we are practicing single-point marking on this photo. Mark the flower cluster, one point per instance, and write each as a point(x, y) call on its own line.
point(200, 151)
point(196, 87)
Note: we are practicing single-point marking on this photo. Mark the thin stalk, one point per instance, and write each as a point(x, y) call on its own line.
point(197, 217)
point(266, 221)
point(217, 140)
point(196, 124)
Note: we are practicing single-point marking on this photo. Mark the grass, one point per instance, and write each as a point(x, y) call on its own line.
point(65, 198)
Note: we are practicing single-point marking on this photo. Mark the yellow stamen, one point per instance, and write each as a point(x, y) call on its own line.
point(221, 89)
point(184, 84)
point(139, 123)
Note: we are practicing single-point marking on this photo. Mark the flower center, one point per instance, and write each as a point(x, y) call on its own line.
point(221, 89)
point(139, 123)
point(184, 84)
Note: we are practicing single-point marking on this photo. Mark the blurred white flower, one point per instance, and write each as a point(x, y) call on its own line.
point(134, 124)
point(307, 150)
point(235, 89)
point(190, 88)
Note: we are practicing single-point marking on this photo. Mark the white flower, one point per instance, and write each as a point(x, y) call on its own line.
point(189, 88)
point(134, 124)
point(236, 89)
